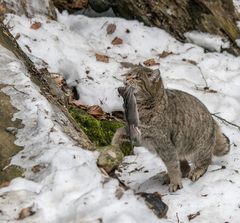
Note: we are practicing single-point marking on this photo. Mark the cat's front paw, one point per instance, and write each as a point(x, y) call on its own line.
point(175, 186)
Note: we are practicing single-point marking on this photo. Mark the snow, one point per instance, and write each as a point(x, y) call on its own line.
point(208, 41)
point(72, 189)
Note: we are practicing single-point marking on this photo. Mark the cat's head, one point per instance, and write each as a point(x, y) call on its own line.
point(146, 82)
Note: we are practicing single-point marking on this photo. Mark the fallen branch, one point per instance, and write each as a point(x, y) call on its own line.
point(226, 121)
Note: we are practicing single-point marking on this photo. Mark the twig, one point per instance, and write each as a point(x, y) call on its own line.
point(19, 90)
point(117, 78)
point(226, 121)
point(221, 168)
point(178, 221)
point(203, 76)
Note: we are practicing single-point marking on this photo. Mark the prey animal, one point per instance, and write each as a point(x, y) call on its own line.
point(174, 123)
point(131, 114)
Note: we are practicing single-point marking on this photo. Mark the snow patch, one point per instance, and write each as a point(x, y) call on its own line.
point(207, 41)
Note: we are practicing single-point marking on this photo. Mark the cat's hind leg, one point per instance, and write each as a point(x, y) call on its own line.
point(201, 160)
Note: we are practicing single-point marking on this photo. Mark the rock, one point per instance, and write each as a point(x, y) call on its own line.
point(110, 158)
point(99, 5)
point(155, 203)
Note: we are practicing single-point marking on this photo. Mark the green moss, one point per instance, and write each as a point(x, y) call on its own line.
point(7, 147)
point(100, 132)
point(10, 173)
point(127, 148)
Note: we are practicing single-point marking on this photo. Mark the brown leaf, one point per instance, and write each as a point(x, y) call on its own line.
point(58, 78)
point(165, 54)
point(78, 104)
point(17, 36)
point(117, 41)
point(190, 61)
point(111, 28)
point(36, 25)
point(102, 58)
point(150, 62)
point(192, 216)
point(37, 168)
point(25, 212)
point(96, 111)
point(207, 89)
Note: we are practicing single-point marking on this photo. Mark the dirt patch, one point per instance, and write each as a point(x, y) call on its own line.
point(7, 138)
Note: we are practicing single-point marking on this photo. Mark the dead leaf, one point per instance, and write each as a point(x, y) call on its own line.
point(204, 195)
point(117, 41)
point(150, 62)
point(118, 114)
point(190, 61)
point(96, 111)
point(57, 78)
point(102, 58)
point(127, 31)
point(25, 212)
point(192, 216)
point(17, 36)
point(111, 28)
point(36, 25)
point(207, 89)
point(37, 168)
point(78, 104)
point(90, 78)
point(165, 54)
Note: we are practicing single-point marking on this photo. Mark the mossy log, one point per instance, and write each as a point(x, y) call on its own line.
point(179, 16)
point(48, 88)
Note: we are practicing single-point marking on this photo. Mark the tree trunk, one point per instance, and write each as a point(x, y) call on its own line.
point(180, 16)
point(70, 5)
point(48, 88)
point(28, 8)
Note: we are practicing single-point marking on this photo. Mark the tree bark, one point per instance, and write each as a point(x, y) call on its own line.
point(179, 16)
point(48, 88)
point(28, 8)
point(70, 5)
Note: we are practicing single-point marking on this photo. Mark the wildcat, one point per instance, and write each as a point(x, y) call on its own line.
point(176, 124)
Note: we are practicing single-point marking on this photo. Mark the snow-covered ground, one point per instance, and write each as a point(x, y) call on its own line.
point(71, 188)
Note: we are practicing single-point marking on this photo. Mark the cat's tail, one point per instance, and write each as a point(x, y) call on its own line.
point(222, 146)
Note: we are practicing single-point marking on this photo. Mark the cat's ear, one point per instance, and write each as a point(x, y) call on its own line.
point(156, 76)
point(156, 81)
